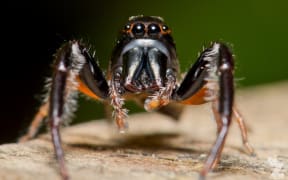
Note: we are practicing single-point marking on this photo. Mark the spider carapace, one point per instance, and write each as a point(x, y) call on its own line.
point(143, 66)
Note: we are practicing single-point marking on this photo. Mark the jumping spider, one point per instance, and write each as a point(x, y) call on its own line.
point(143, 65)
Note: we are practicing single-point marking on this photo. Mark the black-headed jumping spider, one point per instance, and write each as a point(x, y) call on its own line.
point(144, 65)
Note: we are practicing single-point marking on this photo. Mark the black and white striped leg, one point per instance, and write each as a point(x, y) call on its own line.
point(212, 74)
point(56, 112)
point(73, 64)
point(222, 66)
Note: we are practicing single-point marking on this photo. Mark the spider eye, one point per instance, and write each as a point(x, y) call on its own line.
point(138, 29)
point(127, 26)
point(165, 28)
point(153, 29)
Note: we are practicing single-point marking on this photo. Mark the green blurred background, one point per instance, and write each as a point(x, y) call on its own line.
point(256, 29)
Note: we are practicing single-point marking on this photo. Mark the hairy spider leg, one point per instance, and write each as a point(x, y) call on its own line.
point(42, 112)
point(74, 70)
point(72, 61)
point(210, 79)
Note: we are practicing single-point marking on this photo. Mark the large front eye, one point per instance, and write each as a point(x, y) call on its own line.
point(138, 29)
point(153, 29)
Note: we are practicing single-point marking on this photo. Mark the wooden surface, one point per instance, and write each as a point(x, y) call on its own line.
point(157, 147)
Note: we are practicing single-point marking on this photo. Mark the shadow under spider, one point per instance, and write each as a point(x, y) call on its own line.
point(150, 142)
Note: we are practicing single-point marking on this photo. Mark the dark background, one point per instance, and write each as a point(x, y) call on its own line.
point(31, 33)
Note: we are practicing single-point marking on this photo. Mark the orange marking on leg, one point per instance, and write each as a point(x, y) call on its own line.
point(197, 98)
point(85, 90)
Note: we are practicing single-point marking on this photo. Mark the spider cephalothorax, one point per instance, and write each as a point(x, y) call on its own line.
point(143, 67)
point(144, 62)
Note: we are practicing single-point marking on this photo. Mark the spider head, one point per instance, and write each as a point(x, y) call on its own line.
point(143, 54)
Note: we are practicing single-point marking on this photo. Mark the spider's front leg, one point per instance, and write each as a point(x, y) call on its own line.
point(74, 70)
point(211, 80)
